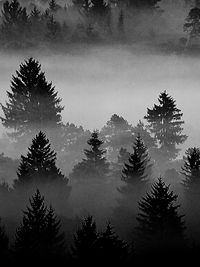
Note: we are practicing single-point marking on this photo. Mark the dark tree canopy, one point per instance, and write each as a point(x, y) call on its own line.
point(33, 103)
point(85, 242)
point(39, 166)
point(191, 171)
point(39, 237)
point(111, 248)
point(166, 125)
point(159, 224)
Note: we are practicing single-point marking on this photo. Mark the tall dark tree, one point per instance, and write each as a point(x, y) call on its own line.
point(39, 237)
point(39, 166)
point(191, 170)
point(33, 104)
point(160, 227)
point(95, 163)
point(85, 242)
point(133, 172)
point(165, 123)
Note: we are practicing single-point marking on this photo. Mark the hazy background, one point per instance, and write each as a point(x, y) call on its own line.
point(97, 82)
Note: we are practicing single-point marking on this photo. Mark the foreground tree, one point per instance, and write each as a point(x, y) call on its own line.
point(160, 227)
point(38, 238)
point(39, 166)
point(166, 126)
point(33, 103)
point(95, 164)
point(111, 249)
point(85, 242)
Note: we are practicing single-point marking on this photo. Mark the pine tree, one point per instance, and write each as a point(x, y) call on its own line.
point(166, 125)
point(149, 141)
point(15, 25)
point(39, 166)
point(111, 249)
point(33, 103)
point(160, 227)
point(133, 172)
point(38, 236)
point(95, 164)
point(191, 182)
point(85, 242)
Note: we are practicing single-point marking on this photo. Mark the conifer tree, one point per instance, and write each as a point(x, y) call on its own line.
point(111, 248)
point(53, 6)
point(85, 242)
point(38, 237)
point(160, 227)
point(39, 166)
point(166, 126)
point(191, 170)
point(33, 104)
point(15, 23)
point(98, 8)
point(95, 164)
point(134, 172)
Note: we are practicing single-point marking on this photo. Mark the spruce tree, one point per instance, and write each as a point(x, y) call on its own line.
point(39, 166)
point(133, 172)
point(95, 164)
point(160, 227)
point(111, 249)
point(53, 33)
point(33, 104)
point(166, 126)
point(53, 6)
point(38, 238)
point(15, 24)
point(85, 242)
point(191, 170)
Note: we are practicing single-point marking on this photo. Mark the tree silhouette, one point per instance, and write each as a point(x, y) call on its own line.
point(14, 22)
point(160, 226)
point(33, 103)
point(39, 166)
point(38, 238)
point(53, 30)
point(166, 125)
point(95, 164)
point(133, 172)
point(111, 249)
point(85, 242)
point(53, 6)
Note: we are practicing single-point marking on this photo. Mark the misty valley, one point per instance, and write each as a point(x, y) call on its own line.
point(99, 132)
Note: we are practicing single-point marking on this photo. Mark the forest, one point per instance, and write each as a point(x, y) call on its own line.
point(124, 193)
point(61, 25)
point(128, 193)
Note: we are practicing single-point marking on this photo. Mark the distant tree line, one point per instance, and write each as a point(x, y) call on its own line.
point(89, 21)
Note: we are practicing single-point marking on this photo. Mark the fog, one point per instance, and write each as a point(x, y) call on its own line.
point(97, 82)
